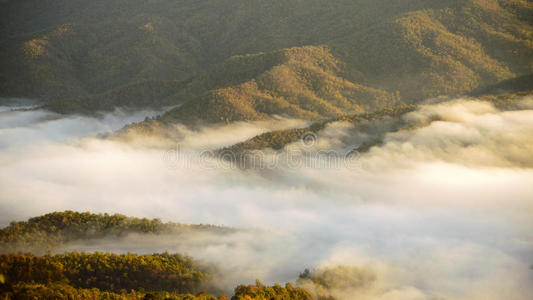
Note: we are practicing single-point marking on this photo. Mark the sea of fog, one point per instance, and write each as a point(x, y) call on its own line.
point(441, 211)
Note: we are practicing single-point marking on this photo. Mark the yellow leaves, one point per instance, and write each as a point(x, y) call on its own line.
point(35, 48)
point(39, 46)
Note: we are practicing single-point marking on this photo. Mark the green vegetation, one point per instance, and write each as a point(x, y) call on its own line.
point(48, 232)
point(262, 292)
point(164, 276)
point(77, 60)
point(147, 93)
point(299, 82)
point(108, 272)
point(364, 54)
point(60, 290)
point(74, 275)
point(278, 139)
point(445, 51)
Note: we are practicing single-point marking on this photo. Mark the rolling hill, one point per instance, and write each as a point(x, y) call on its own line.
point(50, 231)
point(303, 82)
point(299, 82)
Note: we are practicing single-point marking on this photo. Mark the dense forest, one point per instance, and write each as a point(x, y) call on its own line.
point(60, 290)
point(111, 276)
point(109, 272)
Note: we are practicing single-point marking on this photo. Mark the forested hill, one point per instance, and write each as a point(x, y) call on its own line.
point(97, 275)
point(301, 82)
point(108, 272)
point(385, 121)
point(52, 230)
point(126, 277)
point(279, 139)
point(95, 52)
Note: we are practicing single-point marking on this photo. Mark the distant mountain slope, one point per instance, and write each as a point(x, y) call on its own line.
point(427, 53)
point(300, 82)
point(73, 60)
point(306, 83)
point(145, 93)
point(392, 116)
point(63, 50)
point(233, 71)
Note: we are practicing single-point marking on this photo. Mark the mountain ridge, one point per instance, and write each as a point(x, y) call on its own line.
point(418, 48)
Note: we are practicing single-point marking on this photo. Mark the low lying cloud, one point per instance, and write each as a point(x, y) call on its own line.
point(442, 209)
point(469, 133)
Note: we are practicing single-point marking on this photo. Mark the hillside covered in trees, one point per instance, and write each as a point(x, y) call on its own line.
point(50, 231)
point(111, 276)
point(303, 82)
point(388, 120)
point(280, 138)
point(74, 275)
point(223, 58)
point(109, 272)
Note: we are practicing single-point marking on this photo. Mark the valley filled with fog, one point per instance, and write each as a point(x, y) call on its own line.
point(441, 210)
